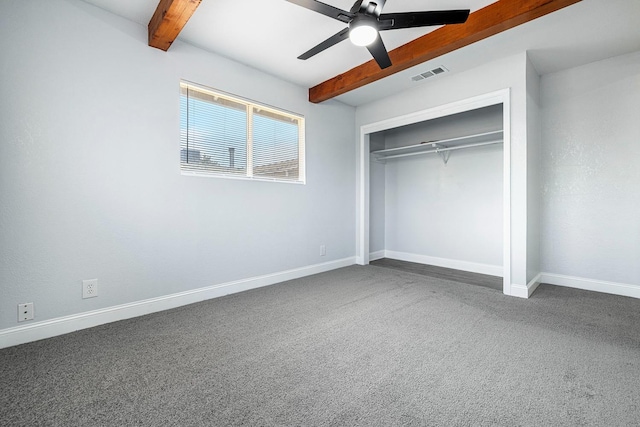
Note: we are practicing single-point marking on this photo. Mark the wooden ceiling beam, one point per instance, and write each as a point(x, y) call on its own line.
point(168, 20)
point(486, 22)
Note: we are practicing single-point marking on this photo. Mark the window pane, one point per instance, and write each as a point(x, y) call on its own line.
point(213, 133)
point(224, 135)
point(275, 145)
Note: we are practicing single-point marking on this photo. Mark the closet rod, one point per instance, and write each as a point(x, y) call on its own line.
point(440, 150)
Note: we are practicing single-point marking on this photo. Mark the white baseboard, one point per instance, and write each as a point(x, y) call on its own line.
point(63, 325)
point(376, 255)
point(623, 289)
point(474, 267)
point(525, 291)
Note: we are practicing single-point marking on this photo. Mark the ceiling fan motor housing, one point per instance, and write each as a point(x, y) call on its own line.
point(360, 20)
point(373, 8)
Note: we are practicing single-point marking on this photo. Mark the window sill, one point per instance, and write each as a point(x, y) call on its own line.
point(241, 177)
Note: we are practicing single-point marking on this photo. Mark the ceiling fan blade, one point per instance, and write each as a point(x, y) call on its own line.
point(325, 9)
point(334, 39)
point(379, 53)
point(356, 6)
point(394, 21)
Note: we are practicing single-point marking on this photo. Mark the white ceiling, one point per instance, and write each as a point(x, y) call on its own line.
point(270, 34)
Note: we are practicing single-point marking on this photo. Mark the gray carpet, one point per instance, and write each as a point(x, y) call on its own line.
point(493, 282)
point(359, 346)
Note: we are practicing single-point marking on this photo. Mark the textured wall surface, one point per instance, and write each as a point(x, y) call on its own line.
point(590, 171)
point(90, 184)
point(533, 172)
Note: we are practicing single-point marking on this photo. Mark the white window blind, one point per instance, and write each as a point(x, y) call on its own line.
point(221, 135)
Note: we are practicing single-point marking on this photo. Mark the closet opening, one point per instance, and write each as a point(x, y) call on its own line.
point(435, 187)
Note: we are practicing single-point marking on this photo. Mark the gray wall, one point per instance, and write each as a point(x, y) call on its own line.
point(533, 172)
point(377, 196)
point(590, 171)
point(90, 184)
point(453, 210)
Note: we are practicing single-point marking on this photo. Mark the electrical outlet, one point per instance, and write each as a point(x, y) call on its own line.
point(25, 311)
point(89, 288)
point(323, 250)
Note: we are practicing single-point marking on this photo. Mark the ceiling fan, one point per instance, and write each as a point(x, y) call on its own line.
point(365, 20)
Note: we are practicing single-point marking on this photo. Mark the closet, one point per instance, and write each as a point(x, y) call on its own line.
point(436, 191)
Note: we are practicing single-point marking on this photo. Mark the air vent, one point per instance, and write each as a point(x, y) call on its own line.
point(430, 73)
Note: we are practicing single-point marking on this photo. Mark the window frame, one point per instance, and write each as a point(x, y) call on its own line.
point(250, 105)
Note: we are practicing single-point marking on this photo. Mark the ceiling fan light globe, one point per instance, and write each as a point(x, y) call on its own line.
point(363, 35)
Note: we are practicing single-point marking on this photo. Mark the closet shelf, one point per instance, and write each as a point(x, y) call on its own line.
point(441, 147)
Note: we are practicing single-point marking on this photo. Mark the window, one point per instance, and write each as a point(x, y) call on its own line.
point(221, 135)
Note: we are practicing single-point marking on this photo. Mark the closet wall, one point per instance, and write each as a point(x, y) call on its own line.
point(424, 209)
point(377, 198)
